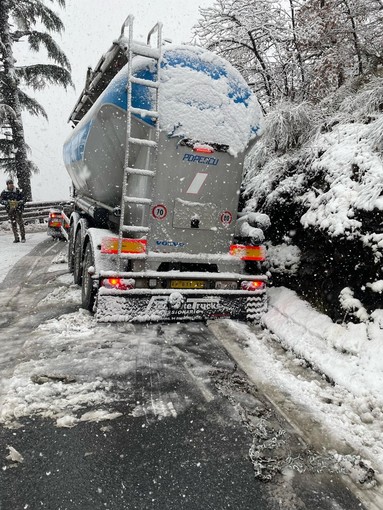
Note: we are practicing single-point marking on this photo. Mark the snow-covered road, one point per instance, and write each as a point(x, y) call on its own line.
point(325, 378)
point(11, 253)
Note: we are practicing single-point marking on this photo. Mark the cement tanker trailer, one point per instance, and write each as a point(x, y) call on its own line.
point(156, 159)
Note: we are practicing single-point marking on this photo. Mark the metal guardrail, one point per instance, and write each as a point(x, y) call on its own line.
point(36, 212)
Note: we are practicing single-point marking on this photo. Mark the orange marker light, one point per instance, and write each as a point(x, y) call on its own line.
point(247, 252)
point(109, 245)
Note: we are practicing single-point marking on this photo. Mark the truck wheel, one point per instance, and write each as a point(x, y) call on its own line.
point(70, 248)
point(77, 259)
point(88, 291)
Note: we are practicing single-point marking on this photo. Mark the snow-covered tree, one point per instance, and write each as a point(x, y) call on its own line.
point(338, 40)
point(253, 35)
point(295, 50)
point(33, 22)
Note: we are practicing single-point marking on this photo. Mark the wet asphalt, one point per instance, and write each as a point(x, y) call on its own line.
point(220, 446)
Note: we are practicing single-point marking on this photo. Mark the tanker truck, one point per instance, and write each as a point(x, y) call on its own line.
point(156, 156)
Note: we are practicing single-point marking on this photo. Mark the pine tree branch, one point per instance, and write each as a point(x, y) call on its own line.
point(38, 76)
point(35, 39)
point(19, 34)
point(29, 12)
point(31, 105)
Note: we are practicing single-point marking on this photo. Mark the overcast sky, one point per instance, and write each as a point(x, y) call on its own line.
point(90, 28)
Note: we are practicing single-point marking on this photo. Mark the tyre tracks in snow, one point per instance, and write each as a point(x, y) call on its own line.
point(25, 286)
point(288, 383)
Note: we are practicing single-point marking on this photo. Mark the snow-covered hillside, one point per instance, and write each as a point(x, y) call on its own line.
point(318, 173)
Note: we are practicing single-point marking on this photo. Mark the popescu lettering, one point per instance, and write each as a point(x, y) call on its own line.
point(205, 160)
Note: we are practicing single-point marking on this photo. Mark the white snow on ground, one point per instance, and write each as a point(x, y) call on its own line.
point(12, 252)
point(349, 406)
point(67, 365)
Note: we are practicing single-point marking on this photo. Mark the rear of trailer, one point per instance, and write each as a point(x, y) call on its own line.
point(156, 157)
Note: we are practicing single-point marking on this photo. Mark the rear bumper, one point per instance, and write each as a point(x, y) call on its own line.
point(159, 305)
point(55, 232)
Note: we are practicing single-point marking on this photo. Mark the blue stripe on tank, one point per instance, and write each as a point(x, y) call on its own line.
point(116, 93)
point(74, 149)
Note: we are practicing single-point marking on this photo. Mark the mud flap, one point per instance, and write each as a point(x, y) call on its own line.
point(178, 307)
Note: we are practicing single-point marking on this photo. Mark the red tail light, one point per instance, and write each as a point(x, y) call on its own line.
point(253, 285)
point(205, 149)
point(119, 283)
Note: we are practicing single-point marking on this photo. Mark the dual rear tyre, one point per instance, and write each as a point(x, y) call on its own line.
point(79, 261)
point(77, 258)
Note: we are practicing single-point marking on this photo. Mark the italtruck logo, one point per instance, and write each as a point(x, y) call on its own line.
point(203, 160)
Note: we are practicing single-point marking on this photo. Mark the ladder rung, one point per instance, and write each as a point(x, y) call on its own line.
point(142, 141)
point(145, 51)
point(138, 200)
point(134, 228)
point(140, 171)
point(145, 83)
point(144, 113)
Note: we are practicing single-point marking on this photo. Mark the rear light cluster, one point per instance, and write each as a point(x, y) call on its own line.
point(253, 285)
point(55, 220)
point(130, 283)
point(118, 283)
point(244, 285)
point(109, 245)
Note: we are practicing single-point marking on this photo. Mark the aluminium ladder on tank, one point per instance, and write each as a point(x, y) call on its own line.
point(133, 49)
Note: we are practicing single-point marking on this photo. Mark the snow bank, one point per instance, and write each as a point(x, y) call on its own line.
point(350, 354)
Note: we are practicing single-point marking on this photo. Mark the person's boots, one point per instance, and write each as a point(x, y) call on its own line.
point(16, 240)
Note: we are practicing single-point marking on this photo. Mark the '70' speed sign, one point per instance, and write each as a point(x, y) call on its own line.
point(159, 212)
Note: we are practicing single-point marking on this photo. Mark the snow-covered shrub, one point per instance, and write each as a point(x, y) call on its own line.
point(290, 125)
point(375, 243)
point(376, 286)
point(359, 100)
point(365, 102)
point(283, 258)
point(252, 226)
point(376, 134)
point(352, 306)
point(353, 175)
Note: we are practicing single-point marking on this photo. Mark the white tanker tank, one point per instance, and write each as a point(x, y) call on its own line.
point(162, 146)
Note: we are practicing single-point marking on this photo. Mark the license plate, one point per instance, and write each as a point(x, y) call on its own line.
point(187, 284)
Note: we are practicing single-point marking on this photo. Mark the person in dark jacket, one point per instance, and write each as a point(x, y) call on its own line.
point(13, 199)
